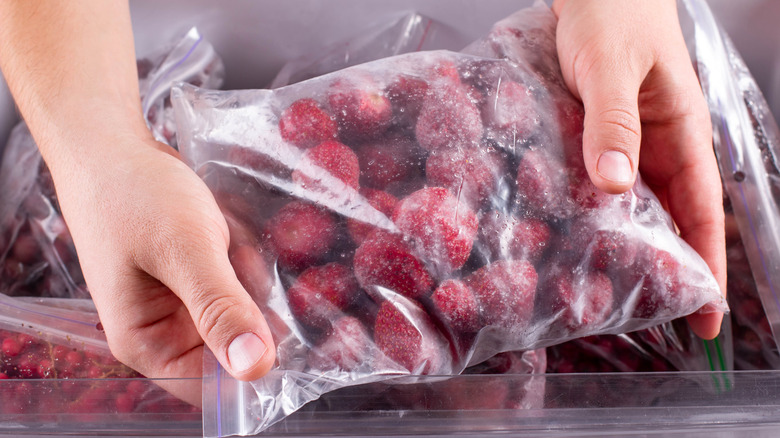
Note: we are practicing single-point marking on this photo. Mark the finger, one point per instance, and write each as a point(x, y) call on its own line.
point(612, 131)
point(199, 272)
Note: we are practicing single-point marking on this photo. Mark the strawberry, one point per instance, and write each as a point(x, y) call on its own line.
point(448, 118)
point(382, 201)
point(578, 300)
point(406, 93)
point(321, 293)
point(454, 302)
point(505, 291)
point(386, 259)
point(305, 124)
point(385, 162)
point(301, 234)
point(361, 108)
point(512, 108)
point(442, 228)
point(320, 164)
point(473, 174)
point(404, 332)
point(345, 347)
point(508, 237)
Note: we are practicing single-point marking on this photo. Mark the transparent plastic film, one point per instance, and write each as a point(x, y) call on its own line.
point(746, 140)
point(422, 213)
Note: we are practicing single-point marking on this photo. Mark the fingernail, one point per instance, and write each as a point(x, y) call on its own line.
point(614, 166)
point(245, 351)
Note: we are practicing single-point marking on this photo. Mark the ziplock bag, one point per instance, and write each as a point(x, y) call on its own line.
point(407, 32)
point(422, 213)
point(37, 254)
point(671, 346)
point(754, 345)
point(746, 140)
point(62, 340)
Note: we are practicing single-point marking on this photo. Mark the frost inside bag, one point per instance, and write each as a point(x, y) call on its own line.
point(37, 254)
point(422, 213)
point(747, 144)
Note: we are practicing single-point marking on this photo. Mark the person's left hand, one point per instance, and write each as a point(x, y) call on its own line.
point(644, 112)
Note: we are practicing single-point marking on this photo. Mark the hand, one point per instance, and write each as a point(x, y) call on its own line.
point(151, 240)
point(153, 246)
point(644, 111)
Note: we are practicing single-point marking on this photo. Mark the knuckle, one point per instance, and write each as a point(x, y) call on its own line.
point(214, 315)
point(628, 127)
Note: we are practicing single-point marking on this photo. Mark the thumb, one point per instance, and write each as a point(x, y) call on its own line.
point(612, 131)
point(224, 314)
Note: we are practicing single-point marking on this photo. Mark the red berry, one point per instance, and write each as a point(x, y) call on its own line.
point(442, 228)
point(4, 376)
point(301, 234)
point(404, 332)
point(383, 202)
point(26, 248)
point(578, 300)
point(507, 237)
point(512, 108)
point(361, 108)
point(661, 291)
point(448, 118)
point(11, 347)
point(471, 173)
point(383, 163)
point(321, 164)
point(542, 185)
point(505, 291)
point(305, 124)
point(321, 293)
point(406, 93)
point(125, 403)
point(454, 302)
point(346, 347)
point(385, 259)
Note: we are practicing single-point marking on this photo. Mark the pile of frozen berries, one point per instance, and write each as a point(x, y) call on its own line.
point(429, 208)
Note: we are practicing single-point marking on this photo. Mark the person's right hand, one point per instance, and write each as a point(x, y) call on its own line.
point(153, 246)
point(151, 240)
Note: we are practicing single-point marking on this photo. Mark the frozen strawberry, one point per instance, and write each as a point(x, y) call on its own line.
point(386, 259)
point(382, 201)
point(406, 93)
point(454, 302)
point(444, 70)
point(345, 347)
point(361, 108)
point(611, 250)
point(258, 160)
point(328, 160)
point(321, 293)
point(301, 234)
point(404, 332)
point(385, 162)
point(542, 186)
point(442, 228)
point(570, 117)
point(660, 292)
point(448, 118)
point(473, 174)
point(305, 124)
point(578, 300)
point(512, 108)
point(505, 291)
point(508, 237)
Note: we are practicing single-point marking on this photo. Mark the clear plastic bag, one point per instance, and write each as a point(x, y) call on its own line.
point(407, 32)
point(747, 143)
point(671, 346)
point(385, 200)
